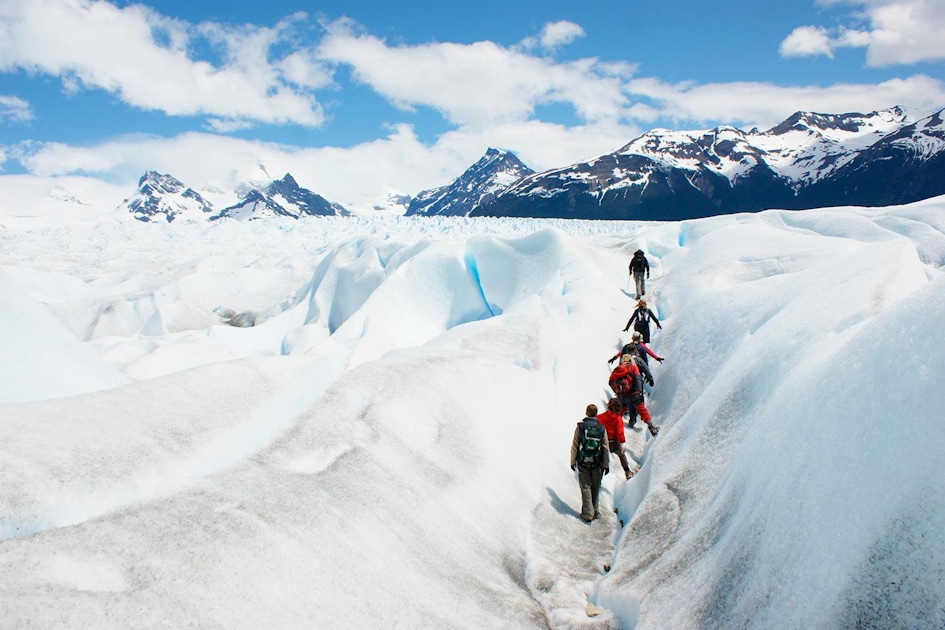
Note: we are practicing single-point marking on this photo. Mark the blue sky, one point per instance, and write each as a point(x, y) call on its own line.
point(404, 95)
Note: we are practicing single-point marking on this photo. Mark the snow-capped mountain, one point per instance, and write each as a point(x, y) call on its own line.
point(284, 198)
point(809, 160)
point(808, 147)
point(165, 198)
point(477, 186)
point(904, 166)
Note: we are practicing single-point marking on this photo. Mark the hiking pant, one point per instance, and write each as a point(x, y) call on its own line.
point(589, 480)
point(638, 280)
point(644, 329)
point(617, 448)
point(633, 404)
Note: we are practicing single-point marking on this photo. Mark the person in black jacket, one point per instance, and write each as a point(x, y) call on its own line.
point(641, 321)
point(639, 267)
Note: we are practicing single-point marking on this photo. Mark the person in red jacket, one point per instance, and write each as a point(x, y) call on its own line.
point(612, 419)
point(627, 384)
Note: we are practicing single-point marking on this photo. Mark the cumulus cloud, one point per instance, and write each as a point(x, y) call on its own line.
point(807, 41)
point(764, 104)
point(475, 84)
point(358, 177)
point(894, 32)
point(148, 61)
point(554, 35)
point(15, 109)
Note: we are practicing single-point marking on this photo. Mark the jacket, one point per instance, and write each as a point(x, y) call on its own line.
point(613, 422)
point(642, 317)
point(626, 371)
point(576, 444)
point(639, 360)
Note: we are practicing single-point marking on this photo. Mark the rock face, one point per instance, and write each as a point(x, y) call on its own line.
point(477, 186)
point(810, 160)
point(283, 198)
point(904, 166)
point(165, 198)
point(161, 197)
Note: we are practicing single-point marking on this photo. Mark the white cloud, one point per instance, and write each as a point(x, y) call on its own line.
point(475, 84)
point(554, 35)
point(898, 32)
point(764, 104)
point(807, 41)
point(357, 177)
point(15, 109)
point(147, 60)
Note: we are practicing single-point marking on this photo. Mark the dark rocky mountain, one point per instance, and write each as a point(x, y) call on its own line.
point(281, 198)
point(161, 197)
point(903, 167)
point(809, 160)
point(477, 186)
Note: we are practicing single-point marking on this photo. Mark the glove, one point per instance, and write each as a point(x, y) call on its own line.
point(650, 382)
point(572, 467)
point(611, 360)
point(607, 471)
point(625, 329)
point(660, 359)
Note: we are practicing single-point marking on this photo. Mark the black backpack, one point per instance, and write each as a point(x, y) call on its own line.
point(590, 441)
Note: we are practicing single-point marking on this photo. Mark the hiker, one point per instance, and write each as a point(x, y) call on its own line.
point(639, 266)
point(636, 340)
point(641, 321)
point(590, 456)
point(612, 419)
point(641, 350)
point(630, 350)
point(627, 383)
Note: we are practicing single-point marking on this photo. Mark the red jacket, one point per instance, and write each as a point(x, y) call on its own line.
point(625, 370)
point(613, 422)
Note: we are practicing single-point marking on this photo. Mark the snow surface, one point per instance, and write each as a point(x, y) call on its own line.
point(387, 445)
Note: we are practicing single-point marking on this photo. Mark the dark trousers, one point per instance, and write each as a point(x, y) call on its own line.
point(617, 449)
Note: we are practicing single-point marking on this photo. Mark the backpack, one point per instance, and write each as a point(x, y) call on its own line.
point(623, 380)
point(589, 445)
point(634, 351)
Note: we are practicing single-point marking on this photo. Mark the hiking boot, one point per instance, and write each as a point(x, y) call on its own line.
point(654, 430)
point(629, 473)
point(596, 516)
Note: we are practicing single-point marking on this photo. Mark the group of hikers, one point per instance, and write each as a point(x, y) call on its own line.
point(598, 436)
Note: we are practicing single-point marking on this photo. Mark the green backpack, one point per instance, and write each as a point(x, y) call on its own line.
point(590, 440)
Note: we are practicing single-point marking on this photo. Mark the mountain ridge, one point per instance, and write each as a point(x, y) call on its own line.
point(674, 175)
point(164, 197)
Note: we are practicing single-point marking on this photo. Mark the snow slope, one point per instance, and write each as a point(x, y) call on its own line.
point(387, 445)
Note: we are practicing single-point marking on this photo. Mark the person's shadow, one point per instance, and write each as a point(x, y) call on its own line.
point(560, 506)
